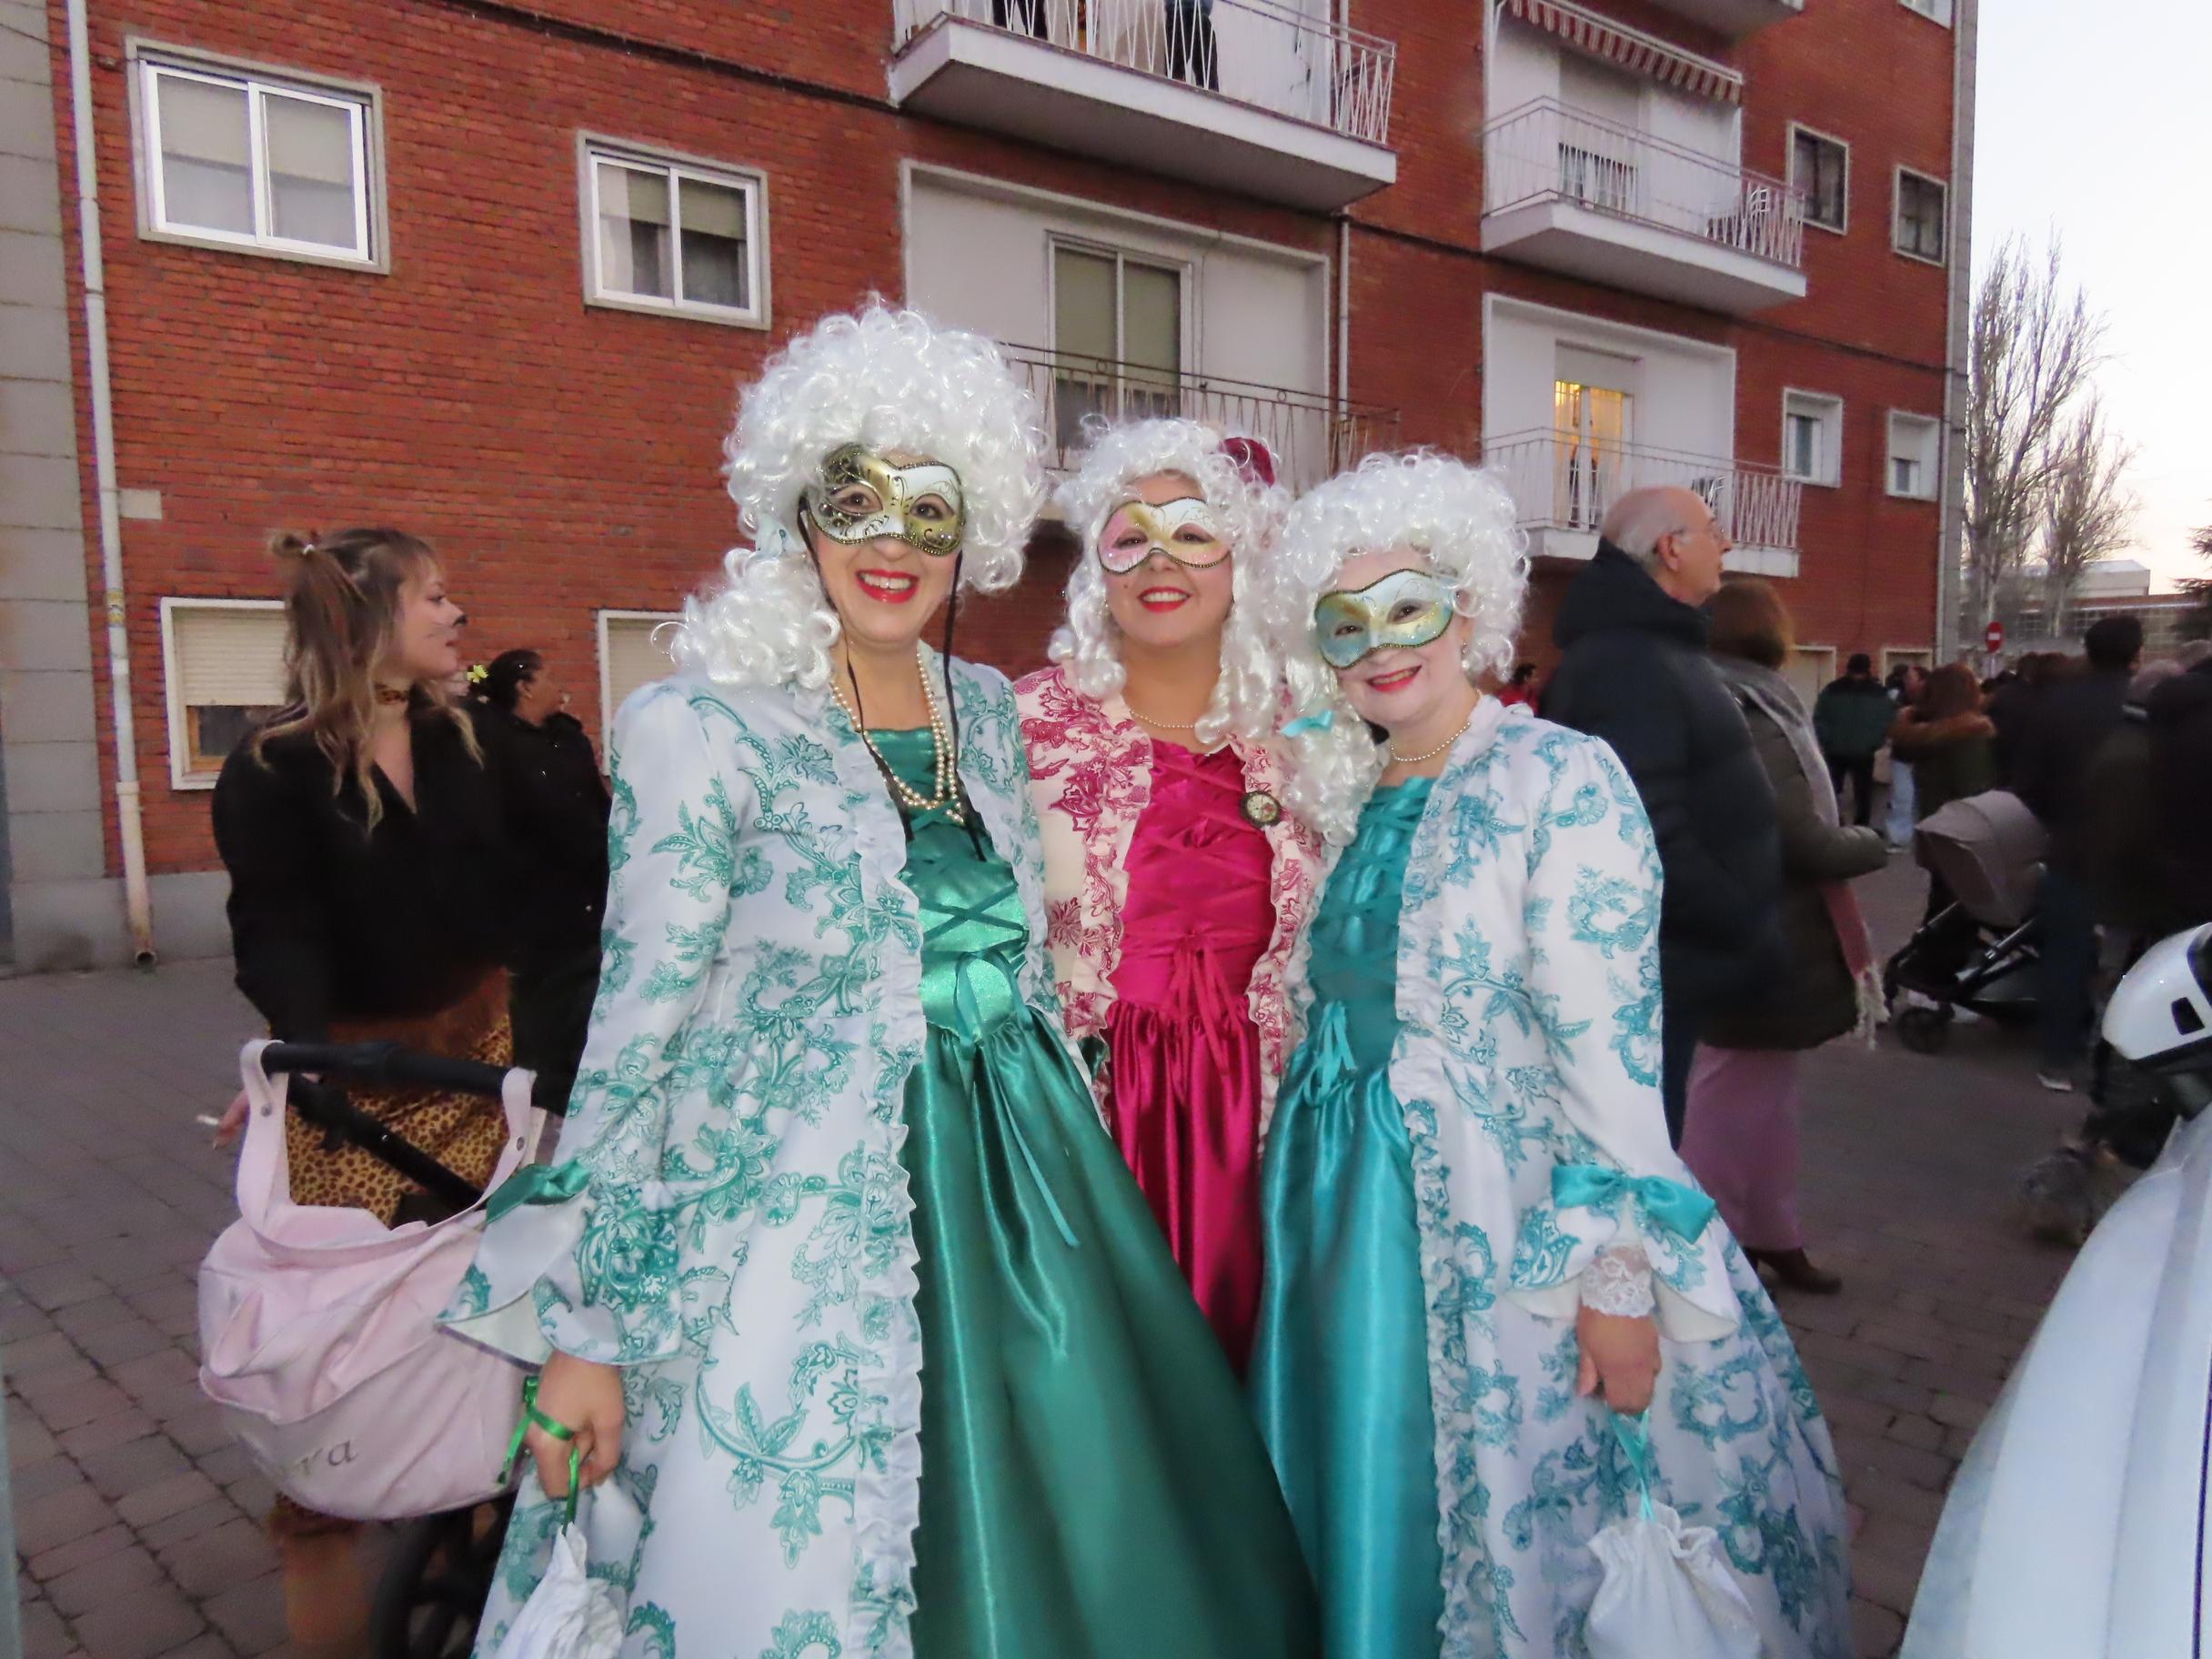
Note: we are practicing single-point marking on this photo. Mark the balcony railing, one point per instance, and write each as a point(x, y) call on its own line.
point(1546, 152)
point(1309, 434)
point(1263, 53)
point(1562, 482)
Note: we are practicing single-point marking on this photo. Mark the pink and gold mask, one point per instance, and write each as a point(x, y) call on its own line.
point(1186, 529)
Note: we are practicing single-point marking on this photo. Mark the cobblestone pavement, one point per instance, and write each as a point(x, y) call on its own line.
point(136, 1523)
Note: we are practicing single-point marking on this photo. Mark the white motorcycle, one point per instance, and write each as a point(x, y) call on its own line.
point(2078, 1527)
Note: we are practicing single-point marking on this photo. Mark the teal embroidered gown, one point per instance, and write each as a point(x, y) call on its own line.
point(1340, 1375)
point(1091, 1484)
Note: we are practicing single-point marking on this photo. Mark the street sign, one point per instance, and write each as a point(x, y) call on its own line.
point(1995, 638)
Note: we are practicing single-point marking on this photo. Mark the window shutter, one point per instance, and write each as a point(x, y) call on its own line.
point(634, 657)
point(229, 657)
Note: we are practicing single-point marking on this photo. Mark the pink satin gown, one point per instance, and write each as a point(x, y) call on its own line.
point(1184, 1059)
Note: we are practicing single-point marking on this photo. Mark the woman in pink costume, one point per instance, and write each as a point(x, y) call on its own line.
point(1175, 882)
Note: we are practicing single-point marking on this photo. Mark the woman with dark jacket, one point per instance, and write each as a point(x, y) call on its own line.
point(368, 882)
point(1741, 1139)
point(1948, 738)
point(557, 809)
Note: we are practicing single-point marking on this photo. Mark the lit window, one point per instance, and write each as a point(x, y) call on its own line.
point(224, 662)
point(633, 652)
point(1915, 441)
point(1920, 217)
point(1811, 437)
point(1821, 167)
point(669, 235)
point(237, 160)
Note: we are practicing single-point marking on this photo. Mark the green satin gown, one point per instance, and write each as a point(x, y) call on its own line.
point(1091, 1484)
point(1340, 1371)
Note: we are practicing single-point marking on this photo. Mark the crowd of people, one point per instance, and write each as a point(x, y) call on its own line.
point(1176, 1156)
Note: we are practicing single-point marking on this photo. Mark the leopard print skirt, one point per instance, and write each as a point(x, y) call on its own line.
point(463, 1131)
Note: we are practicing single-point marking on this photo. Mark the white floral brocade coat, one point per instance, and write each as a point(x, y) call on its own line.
point(1527, 998)
point(1091, 771)
point(734, 1229)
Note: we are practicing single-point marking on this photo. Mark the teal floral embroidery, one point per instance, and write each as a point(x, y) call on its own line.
point(1542, 1251)
point(802, 1636)
point(658, 1628)
point(1723, 1402)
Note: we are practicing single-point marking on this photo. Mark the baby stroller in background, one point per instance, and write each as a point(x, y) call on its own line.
point(440, 1572)
point(1978, 952)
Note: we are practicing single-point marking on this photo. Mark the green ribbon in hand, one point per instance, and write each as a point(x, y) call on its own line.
point(1681, 1209)
point(1635, 1442)
point(559, 1431)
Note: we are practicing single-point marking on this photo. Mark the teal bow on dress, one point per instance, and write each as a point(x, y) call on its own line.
point(1681, 1209)
point(1311, 722)
point(540, 1184)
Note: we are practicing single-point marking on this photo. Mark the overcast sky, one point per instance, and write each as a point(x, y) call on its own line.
point(2096, 120)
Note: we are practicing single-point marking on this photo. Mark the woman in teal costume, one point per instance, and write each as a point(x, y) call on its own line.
point(863, 1330)
point(1478, 1242)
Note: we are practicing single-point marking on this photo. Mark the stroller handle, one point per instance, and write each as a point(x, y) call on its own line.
point(383, 1062)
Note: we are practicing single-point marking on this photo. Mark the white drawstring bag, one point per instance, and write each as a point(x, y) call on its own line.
point(570, 1614)
point(1666, 1593)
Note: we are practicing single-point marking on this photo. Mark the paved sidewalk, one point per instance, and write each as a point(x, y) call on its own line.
point(138, 1522)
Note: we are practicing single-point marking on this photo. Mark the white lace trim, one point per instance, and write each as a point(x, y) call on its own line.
point(1618, 1282)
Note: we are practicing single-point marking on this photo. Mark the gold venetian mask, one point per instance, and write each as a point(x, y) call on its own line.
point(1186, 529)
point(862, 497)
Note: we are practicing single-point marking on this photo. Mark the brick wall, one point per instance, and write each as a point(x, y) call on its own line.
point(564, 459)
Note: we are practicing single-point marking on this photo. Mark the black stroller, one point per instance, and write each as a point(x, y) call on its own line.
point(1979, 951)
point(440, 1572)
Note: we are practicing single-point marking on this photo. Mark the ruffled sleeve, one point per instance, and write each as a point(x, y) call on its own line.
point(586, 1256)
point(1621, 1194)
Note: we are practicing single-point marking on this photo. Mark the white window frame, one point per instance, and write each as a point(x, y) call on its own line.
point(1933, 464)
point(363, 101)
point(1843, 145)
point(1918, 655)
point(1814, 653)
point(606, 712)
point(1896, 216)
point(1832, 424)
point(181, 775)
point(1056, 240)
point(594, 147)
point(1938, 12)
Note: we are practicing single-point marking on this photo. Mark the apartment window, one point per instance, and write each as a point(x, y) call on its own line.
point(1117, 337)
point(1821, 167)
point(223, 660)
point(1920, 215)
point(234, 158)
point(1915, 441)
point(669, 234)
point(633, 652)
point(1812, 436)
point(1590, 429)
point(1936, 11)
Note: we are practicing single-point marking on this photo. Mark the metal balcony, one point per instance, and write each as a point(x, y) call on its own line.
point(1735, 19)
point(1575, 193)
point(1310, 434)
point(1250, 95)
point(1563, 486)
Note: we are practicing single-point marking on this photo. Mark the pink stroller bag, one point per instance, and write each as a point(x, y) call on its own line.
point(319, 1337)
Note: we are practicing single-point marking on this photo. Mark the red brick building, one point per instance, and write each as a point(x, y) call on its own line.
point(494, 272)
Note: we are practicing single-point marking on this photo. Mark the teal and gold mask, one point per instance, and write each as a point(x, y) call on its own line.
point(1408, 607)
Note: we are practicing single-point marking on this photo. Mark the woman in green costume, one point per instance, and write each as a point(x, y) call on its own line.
point(862, 1329)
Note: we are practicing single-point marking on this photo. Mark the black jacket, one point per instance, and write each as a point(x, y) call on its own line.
point(2179, 716)
point(2063, 728)
point(556, 805)
point(1634, 671)
point(332, 921)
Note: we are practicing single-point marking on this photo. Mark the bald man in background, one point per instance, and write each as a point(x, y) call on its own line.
point(1634, 671)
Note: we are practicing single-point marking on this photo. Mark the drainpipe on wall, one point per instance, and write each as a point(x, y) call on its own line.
point(1344, 325)
point(138, 900)
point(1966, 23)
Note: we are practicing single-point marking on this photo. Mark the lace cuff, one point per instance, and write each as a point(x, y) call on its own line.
point(1619, 1282)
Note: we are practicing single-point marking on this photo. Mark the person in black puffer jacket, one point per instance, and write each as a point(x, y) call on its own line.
point(1634, 671)
point(556, 804)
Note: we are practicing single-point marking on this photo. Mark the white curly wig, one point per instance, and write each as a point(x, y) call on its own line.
point(1463, 521)
point(891, 380)
point(1248, 694)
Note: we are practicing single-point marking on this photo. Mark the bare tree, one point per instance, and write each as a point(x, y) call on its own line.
point(2035, 343)
point(2197, 624)
point(2089, 510)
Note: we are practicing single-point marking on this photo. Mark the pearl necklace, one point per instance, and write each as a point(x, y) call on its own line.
point(948, 796)
point(1430, 754)
point(1146, 720)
